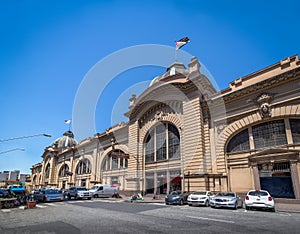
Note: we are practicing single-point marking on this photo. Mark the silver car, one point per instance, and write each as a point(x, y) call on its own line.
point(227, 200)
point(200, 198)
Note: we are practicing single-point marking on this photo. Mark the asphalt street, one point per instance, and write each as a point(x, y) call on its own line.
point(109, 216)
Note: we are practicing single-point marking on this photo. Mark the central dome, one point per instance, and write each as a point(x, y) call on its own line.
point(67, 140)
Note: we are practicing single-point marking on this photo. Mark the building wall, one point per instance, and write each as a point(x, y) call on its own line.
point(206, 121)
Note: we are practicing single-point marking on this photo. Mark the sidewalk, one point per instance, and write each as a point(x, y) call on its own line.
point(287, 205)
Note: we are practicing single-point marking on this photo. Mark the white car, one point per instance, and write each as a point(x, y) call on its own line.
point(199, 198)
point(259, 199)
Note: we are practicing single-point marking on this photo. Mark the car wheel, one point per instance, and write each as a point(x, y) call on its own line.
point(247, 208)
point(95, 196)
point(273, 209)
point(206, 203)
point(181, 202)
point(190, 204)
point(235, 206)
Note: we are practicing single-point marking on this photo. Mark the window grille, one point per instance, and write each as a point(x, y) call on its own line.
point(295, 129)
point(269, 134)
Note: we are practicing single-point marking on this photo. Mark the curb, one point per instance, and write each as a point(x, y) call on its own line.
point(289, 211)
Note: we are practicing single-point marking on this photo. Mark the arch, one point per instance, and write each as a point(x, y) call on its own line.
point(164, 140)
point(173, 119)
point(34, 179)
point(84, 166)
point(47, 171)
point(249, 120)
point(106, 152)
point(63, 169)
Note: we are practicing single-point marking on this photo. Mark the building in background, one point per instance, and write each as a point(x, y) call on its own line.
point(182, 134)
point(12, 177)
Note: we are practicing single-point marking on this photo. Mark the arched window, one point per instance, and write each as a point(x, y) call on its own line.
point(34, 179)
point(239, 143)
point(114, 161)
point(47, 171)
point(269, 134)
point(63, 170)
point(162, 143)
point(174, 142)
point(83, 167)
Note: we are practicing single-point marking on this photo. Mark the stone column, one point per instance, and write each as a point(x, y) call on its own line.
point(295, 179)
point(256, 177)
point(155, 183)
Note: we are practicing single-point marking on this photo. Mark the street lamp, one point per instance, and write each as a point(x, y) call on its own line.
point(12, 150)
point(21, 137)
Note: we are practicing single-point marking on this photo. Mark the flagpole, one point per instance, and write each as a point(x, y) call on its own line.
point(175, 55)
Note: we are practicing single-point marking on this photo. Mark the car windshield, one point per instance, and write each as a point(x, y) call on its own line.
point(258, 193)
point(199, 193)
point(226, 195)
point(94, 187)
point(53, 191)
point(81, 189)
point(175, 193)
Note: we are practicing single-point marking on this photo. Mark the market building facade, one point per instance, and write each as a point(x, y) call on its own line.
point(183, 134)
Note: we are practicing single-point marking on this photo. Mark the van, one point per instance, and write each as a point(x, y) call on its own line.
point(104, 190)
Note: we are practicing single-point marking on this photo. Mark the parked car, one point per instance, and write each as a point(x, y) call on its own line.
point(104, 190)
point(47, 195)
point(176, 198)
point(226, 199)
point(200, 198)
point(4, 193)
point(53, 195)
point(78, 192)
point(38, 195)
point(259, 199)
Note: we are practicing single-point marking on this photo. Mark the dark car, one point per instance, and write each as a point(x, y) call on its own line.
point(4, 193)
point(176, 198)
point(38, 195)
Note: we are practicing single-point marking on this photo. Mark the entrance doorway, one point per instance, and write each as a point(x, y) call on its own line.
point(276, 179)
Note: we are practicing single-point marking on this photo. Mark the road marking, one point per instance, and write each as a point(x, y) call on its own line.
point(217, 220)
point(51, 204)
point(6, 210)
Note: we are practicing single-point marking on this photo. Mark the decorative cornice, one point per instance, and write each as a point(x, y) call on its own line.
point(274, 81)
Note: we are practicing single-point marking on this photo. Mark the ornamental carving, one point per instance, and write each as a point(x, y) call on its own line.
point(264, 105)
point(221, 127)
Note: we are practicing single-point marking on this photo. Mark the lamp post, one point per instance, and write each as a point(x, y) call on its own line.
point(182, 160)
point(21, 137)
point(12, 150)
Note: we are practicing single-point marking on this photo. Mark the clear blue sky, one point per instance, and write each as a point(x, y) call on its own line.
point(47, 47)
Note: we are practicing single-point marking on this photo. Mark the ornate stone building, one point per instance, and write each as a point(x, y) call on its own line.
point(183, 134)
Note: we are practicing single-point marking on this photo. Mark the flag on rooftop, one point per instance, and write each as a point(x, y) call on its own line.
point(67, 121)
point(182, 42)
